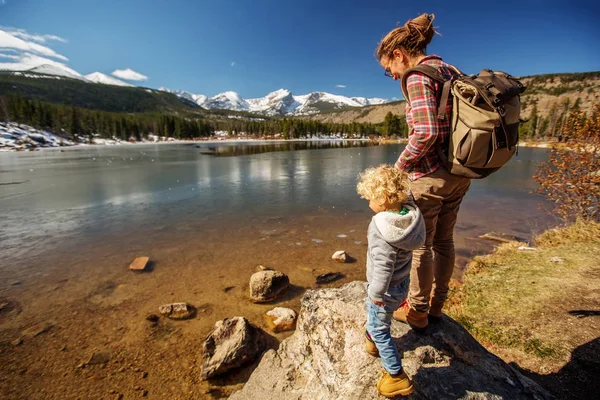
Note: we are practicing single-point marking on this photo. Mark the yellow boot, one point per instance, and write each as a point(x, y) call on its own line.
point(370, 346)
point(390, 386)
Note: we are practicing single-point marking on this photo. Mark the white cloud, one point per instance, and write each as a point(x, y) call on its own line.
point(233, 63)
point(9, 40)
point(129, 75)
point(340, 86)
point(22, 33)
point(10, 56)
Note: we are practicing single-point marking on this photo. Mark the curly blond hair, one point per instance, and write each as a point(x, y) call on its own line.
point(383, 184)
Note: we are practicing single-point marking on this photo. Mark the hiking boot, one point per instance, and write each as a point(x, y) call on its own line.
point(370, 345)
point(394, 385)
point(408, 315)
point(435, 310)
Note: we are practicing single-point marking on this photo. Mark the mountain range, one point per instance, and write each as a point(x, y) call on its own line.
point(277, 103)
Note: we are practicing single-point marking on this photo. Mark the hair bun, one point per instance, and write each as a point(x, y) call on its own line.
point(421, 30)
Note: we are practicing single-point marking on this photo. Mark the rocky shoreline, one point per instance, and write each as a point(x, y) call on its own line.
point(325, 358)
point(19, 137)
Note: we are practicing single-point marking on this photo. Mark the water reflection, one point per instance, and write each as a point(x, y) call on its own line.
point(253, 148)
point(81, 195)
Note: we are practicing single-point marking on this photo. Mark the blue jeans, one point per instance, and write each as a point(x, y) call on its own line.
point(379, 319)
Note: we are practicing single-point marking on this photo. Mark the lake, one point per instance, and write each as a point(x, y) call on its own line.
point(147, 196)
point(206, 214)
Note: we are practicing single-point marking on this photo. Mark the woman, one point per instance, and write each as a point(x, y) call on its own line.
point(438, 193)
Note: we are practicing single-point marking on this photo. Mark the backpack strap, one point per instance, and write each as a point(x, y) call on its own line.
point(434, 74)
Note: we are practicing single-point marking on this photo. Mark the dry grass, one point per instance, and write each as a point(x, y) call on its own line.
point(580, 232)
point(521, 304)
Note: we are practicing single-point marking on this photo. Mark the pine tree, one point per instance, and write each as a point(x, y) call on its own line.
point(74, 123)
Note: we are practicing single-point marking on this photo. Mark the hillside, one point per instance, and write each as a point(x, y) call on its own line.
point(73, 92)
point(551, 93)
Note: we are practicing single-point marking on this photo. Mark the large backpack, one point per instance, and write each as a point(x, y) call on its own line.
point(485, 119)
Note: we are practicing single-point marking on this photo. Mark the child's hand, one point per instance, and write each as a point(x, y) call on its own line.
point(378, 303)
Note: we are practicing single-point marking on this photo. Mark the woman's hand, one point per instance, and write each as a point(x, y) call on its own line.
point(378, 303)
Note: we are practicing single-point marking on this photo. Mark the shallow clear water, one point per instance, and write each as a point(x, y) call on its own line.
point(147, 196)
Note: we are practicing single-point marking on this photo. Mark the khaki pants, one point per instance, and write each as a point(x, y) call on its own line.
point(438, 196)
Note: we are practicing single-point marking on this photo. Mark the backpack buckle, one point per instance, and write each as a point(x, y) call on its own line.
point(501, 142)
point(500, 110)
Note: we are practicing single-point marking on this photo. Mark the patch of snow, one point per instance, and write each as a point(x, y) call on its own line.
point(99, 77)
point(55, 70)
point(199, 99)
point(23, 137)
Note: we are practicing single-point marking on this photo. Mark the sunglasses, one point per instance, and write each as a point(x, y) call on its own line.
point(387, 71)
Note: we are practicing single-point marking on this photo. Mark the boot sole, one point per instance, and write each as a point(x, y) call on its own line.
point(401, 392)
point(418, 329)
point(434, 319)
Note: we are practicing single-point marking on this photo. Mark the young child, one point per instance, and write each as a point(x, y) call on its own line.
point(396, 229)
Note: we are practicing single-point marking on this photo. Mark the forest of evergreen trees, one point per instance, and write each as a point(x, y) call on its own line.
point(73, 122)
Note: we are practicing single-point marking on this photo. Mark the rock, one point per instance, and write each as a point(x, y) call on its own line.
point(98, 358)
point(139, 264)
point(176, 310)
point(17, 342)
point(340, 256)
point(501, 237)
point(557, 260)
point(325, 358)
point(9, 308)
point(38, 329)
point(329, 277)
point(267, 285)
point(525, 248)
point(281, 319)
point(152, 318)
point(263, 268)
point(232, 343)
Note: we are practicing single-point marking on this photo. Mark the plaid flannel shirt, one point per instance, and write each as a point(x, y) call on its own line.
point(426, 132)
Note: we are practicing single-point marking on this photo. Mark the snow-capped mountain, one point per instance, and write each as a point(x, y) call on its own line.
point(99, 77)
point(226, 101)
point(279, 102)
point(55, 70)
point(194, 98)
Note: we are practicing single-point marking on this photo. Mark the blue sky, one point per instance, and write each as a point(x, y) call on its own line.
point(255, 47)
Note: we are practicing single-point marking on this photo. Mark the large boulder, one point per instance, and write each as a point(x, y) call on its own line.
point(267, 285)
point(232, 343)
point(325, 358)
